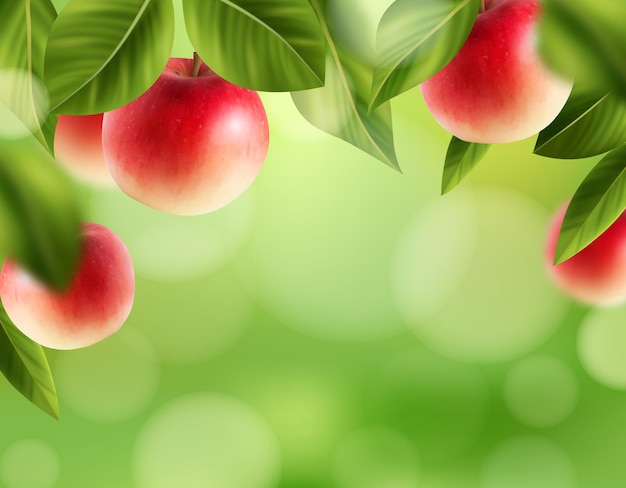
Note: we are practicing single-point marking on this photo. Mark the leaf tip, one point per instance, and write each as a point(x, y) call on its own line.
point(446, 187)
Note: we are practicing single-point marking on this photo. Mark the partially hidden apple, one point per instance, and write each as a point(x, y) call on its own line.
point(597, 274)
point(78, 147)
point(497, 89)
point(94, 305)
point(189, 145)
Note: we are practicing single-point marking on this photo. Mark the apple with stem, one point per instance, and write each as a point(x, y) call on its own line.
point(189, 145)
point(596, 275)
point(78, 147)
point(92, 307)
point(497, 89)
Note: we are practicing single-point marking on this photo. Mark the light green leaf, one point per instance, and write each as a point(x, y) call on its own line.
point(416, 38)
point(39, 215)
point(340, 108)
point(269, 45)
point(586, 41)
point(597, 203)
point(23, 362)
point(23, 37)
point(591, 123)
point(461, 158)
point(103, 54)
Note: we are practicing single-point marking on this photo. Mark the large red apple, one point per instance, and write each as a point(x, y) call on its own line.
point(94, 305)
point(597, 274)
point(497, 89)
point(78, 147)
point(189, 145)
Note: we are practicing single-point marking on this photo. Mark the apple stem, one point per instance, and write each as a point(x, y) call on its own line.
point(196, 64)
point(482, 6)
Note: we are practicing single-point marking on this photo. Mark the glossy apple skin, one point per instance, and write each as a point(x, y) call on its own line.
point(94, 305)
point(497, 89)
point(78, 147)
point(189, 145)
point(597, 274)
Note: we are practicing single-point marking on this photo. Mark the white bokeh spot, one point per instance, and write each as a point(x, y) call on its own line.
point(206, 440)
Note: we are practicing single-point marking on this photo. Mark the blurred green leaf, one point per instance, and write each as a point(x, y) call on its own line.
point(23, 37)
point(416, 38)
point(103, 54)
point(23, 362)
point(591, 123)
point(586, 41)
point(270, 45)
point(461, 158)
point(597, 203)
point(38, 213)
point(340, 108)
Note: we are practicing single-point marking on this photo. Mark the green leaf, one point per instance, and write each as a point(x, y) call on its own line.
point(416, 38)
point(340, 108)
point(269, 45)
point(586, 41)
point(23, 362)
point(461, 158)
point(23, 37)
point(39, 216)
point(597, 203)
point(103, 54)
point(591, 123)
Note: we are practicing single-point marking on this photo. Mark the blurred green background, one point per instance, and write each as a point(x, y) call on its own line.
point(340, 325)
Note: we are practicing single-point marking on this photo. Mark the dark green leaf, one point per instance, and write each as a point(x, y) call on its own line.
point(270, 45)
point(340, 107)
point(416, 38)
point(103, 54)
point(23, 362)
point(597, 203)
point(23, 37)
point(460, 160)
point(586, 41)
point(38, 213)
point(589, 124)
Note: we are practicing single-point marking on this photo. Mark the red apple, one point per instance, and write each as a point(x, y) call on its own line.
point(78, 147)
point(497, 89)
point(597, 274)
point(190, 144)
point(91, 308)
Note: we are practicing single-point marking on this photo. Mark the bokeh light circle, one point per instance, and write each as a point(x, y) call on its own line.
point(602, 346)
point(540, 391)
point(528, 462)
point(494, 301)
point(437, 247)
point(194, 320)
point(375, 457)
point(174, 248)
point(308, 406)
point(206, 440)
point(442, 406)
point(327, 221)
point(29, 463)
point(111, 381)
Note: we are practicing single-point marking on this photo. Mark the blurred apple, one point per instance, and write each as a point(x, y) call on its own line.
point(497, 89)
point(189, 145)
point(597, 274)
point(78, 147)
point(94, 305)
